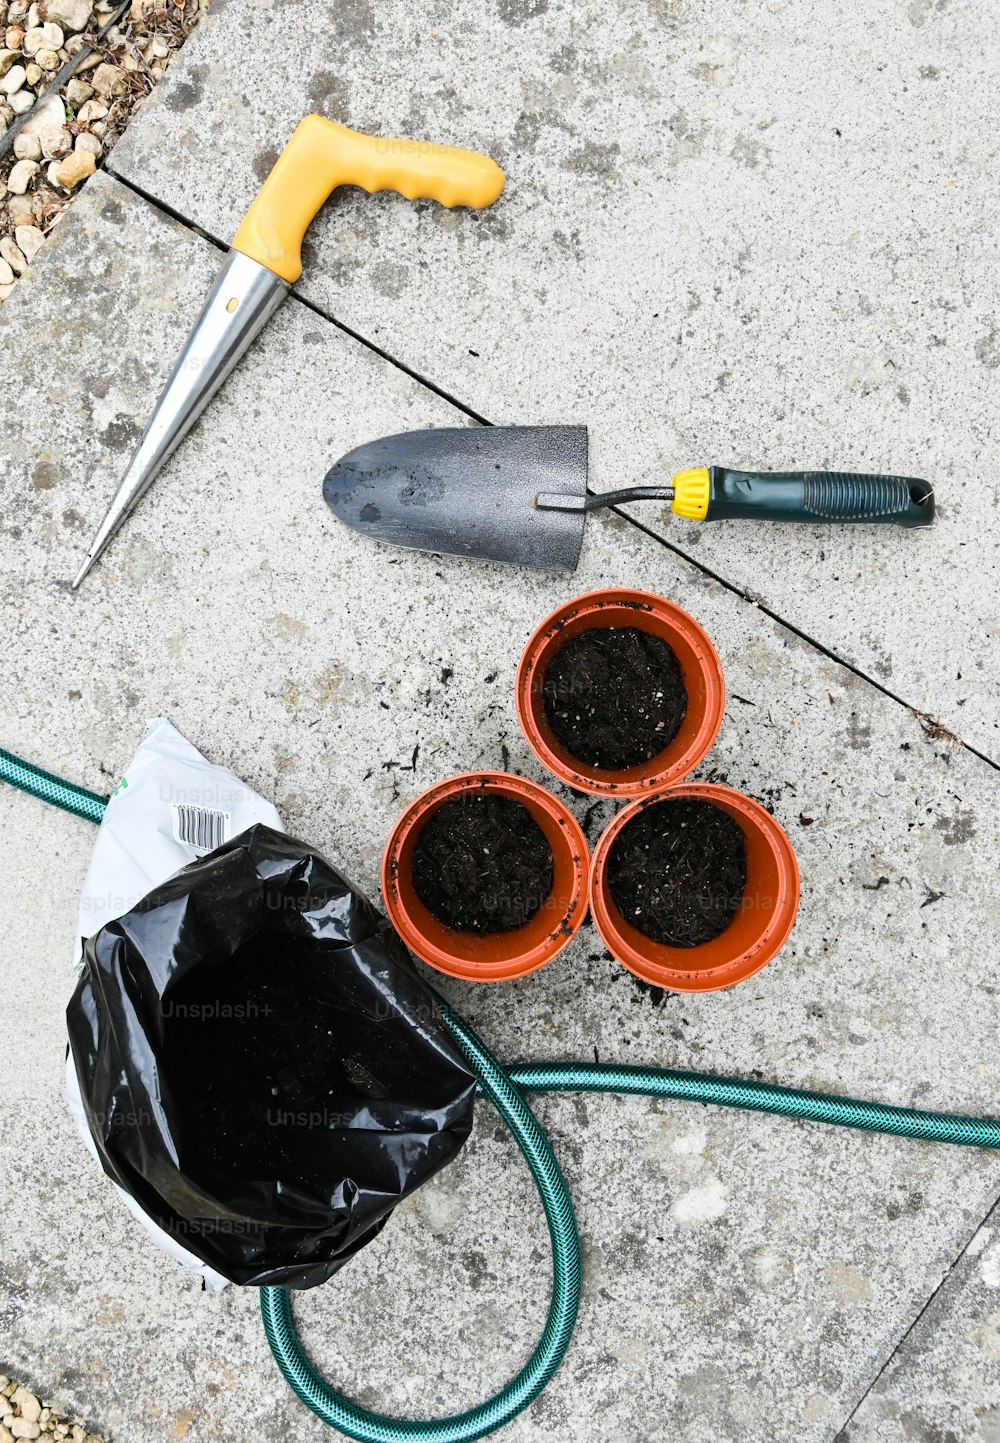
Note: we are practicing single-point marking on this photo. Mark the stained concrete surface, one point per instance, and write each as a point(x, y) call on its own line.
point(744, 1277)
point(759, 235)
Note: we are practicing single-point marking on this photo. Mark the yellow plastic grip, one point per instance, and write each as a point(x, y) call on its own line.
point(322, 155)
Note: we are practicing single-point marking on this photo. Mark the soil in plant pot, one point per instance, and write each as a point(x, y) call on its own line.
point(258, 1040)
point(614, 697)
point(482, 864)
point(678, 870)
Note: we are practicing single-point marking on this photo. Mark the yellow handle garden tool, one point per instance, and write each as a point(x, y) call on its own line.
point(265, 260)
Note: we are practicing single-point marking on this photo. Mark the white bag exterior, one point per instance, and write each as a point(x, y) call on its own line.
point(170, 807)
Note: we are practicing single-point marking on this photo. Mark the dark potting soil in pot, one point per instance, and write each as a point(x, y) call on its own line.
point(678, 870)
point(256, 1043)
point(482, 864)
point(614, 697)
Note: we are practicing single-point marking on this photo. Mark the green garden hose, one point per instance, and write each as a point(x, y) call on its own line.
point(49, 788)
point(333, 1408)
point(503, 1088)
point(759, 1097)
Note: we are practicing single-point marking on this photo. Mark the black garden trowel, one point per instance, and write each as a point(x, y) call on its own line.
point(468, 491)
point(519, 493)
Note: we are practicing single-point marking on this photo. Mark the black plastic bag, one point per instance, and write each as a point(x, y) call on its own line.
point(260, 1065)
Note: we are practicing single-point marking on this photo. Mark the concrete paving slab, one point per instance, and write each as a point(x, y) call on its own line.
point(763, 237)
point(745, 1277)
point(943, 1385)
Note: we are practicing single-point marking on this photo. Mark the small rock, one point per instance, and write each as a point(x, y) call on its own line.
point(5, 1434)
point(10, 252)
point(78, 92)
point(30, 240)
point(49, 112)
point(34, 15)
point(91, 143)
point(22, 101)
point(13, 80)
point(108, 80)
point(42, 37)
point(32, 73)
point(7, 59)
point(70, 14)
point(29, 1405)
point(91, 111)
point(56, 142)
point(21, 176)
point(24, 1428)
point(20, 210)
point(26, 147)
point(6, 274)
point(76, 167)
point(14, 38)
point(48, 59)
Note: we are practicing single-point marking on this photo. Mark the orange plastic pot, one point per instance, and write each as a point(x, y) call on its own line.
point(700, 668)
point(755, 935)
point(503, 955)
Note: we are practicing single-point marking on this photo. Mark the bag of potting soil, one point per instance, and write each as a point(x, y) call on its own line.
point(253, 1058)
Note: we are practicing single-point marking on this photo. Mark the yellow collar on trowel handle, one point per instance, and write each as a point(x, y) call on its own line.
point(265, 259)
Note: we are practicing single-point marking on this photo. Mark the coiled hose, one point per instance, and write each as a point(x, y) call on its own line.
point(503, 1087)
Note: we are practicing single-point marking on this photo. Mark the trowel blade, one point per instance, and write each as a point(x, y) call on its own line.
point(467, 491)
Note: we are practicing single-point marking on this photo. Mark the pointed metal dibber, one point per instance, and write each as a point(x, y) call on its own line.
point(241, 302)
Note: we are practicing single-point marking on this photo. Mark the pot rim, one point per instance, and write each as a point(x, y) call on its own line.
point(741, 966)
point(576, 854)
point(631, 781)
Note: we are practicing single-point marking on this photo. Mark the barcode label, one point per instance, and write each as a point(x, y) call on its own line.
point(200, 828)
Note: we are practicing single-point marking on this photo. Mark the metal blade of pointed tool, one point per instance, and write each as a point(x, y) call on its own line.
point(239, 305)
point(468, 491)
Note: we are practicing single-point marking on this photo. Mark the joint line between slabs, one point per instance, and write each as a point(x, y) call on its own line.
point(790, 626)
point(474, 415)
point(841, 1435)
point(310, 305)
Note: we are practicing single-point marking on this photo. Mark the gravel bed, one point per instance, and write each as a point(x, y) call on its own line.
point(69, 128)
point(23, 1415)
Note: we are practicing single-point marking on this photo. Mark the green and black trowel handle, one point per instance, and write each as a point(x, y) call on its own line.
point(716, 493)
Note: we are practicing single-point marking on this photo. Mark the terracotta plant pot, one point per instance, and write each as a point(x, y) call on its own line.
point(700, 668)
point(755, 935)
point(502, 955)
